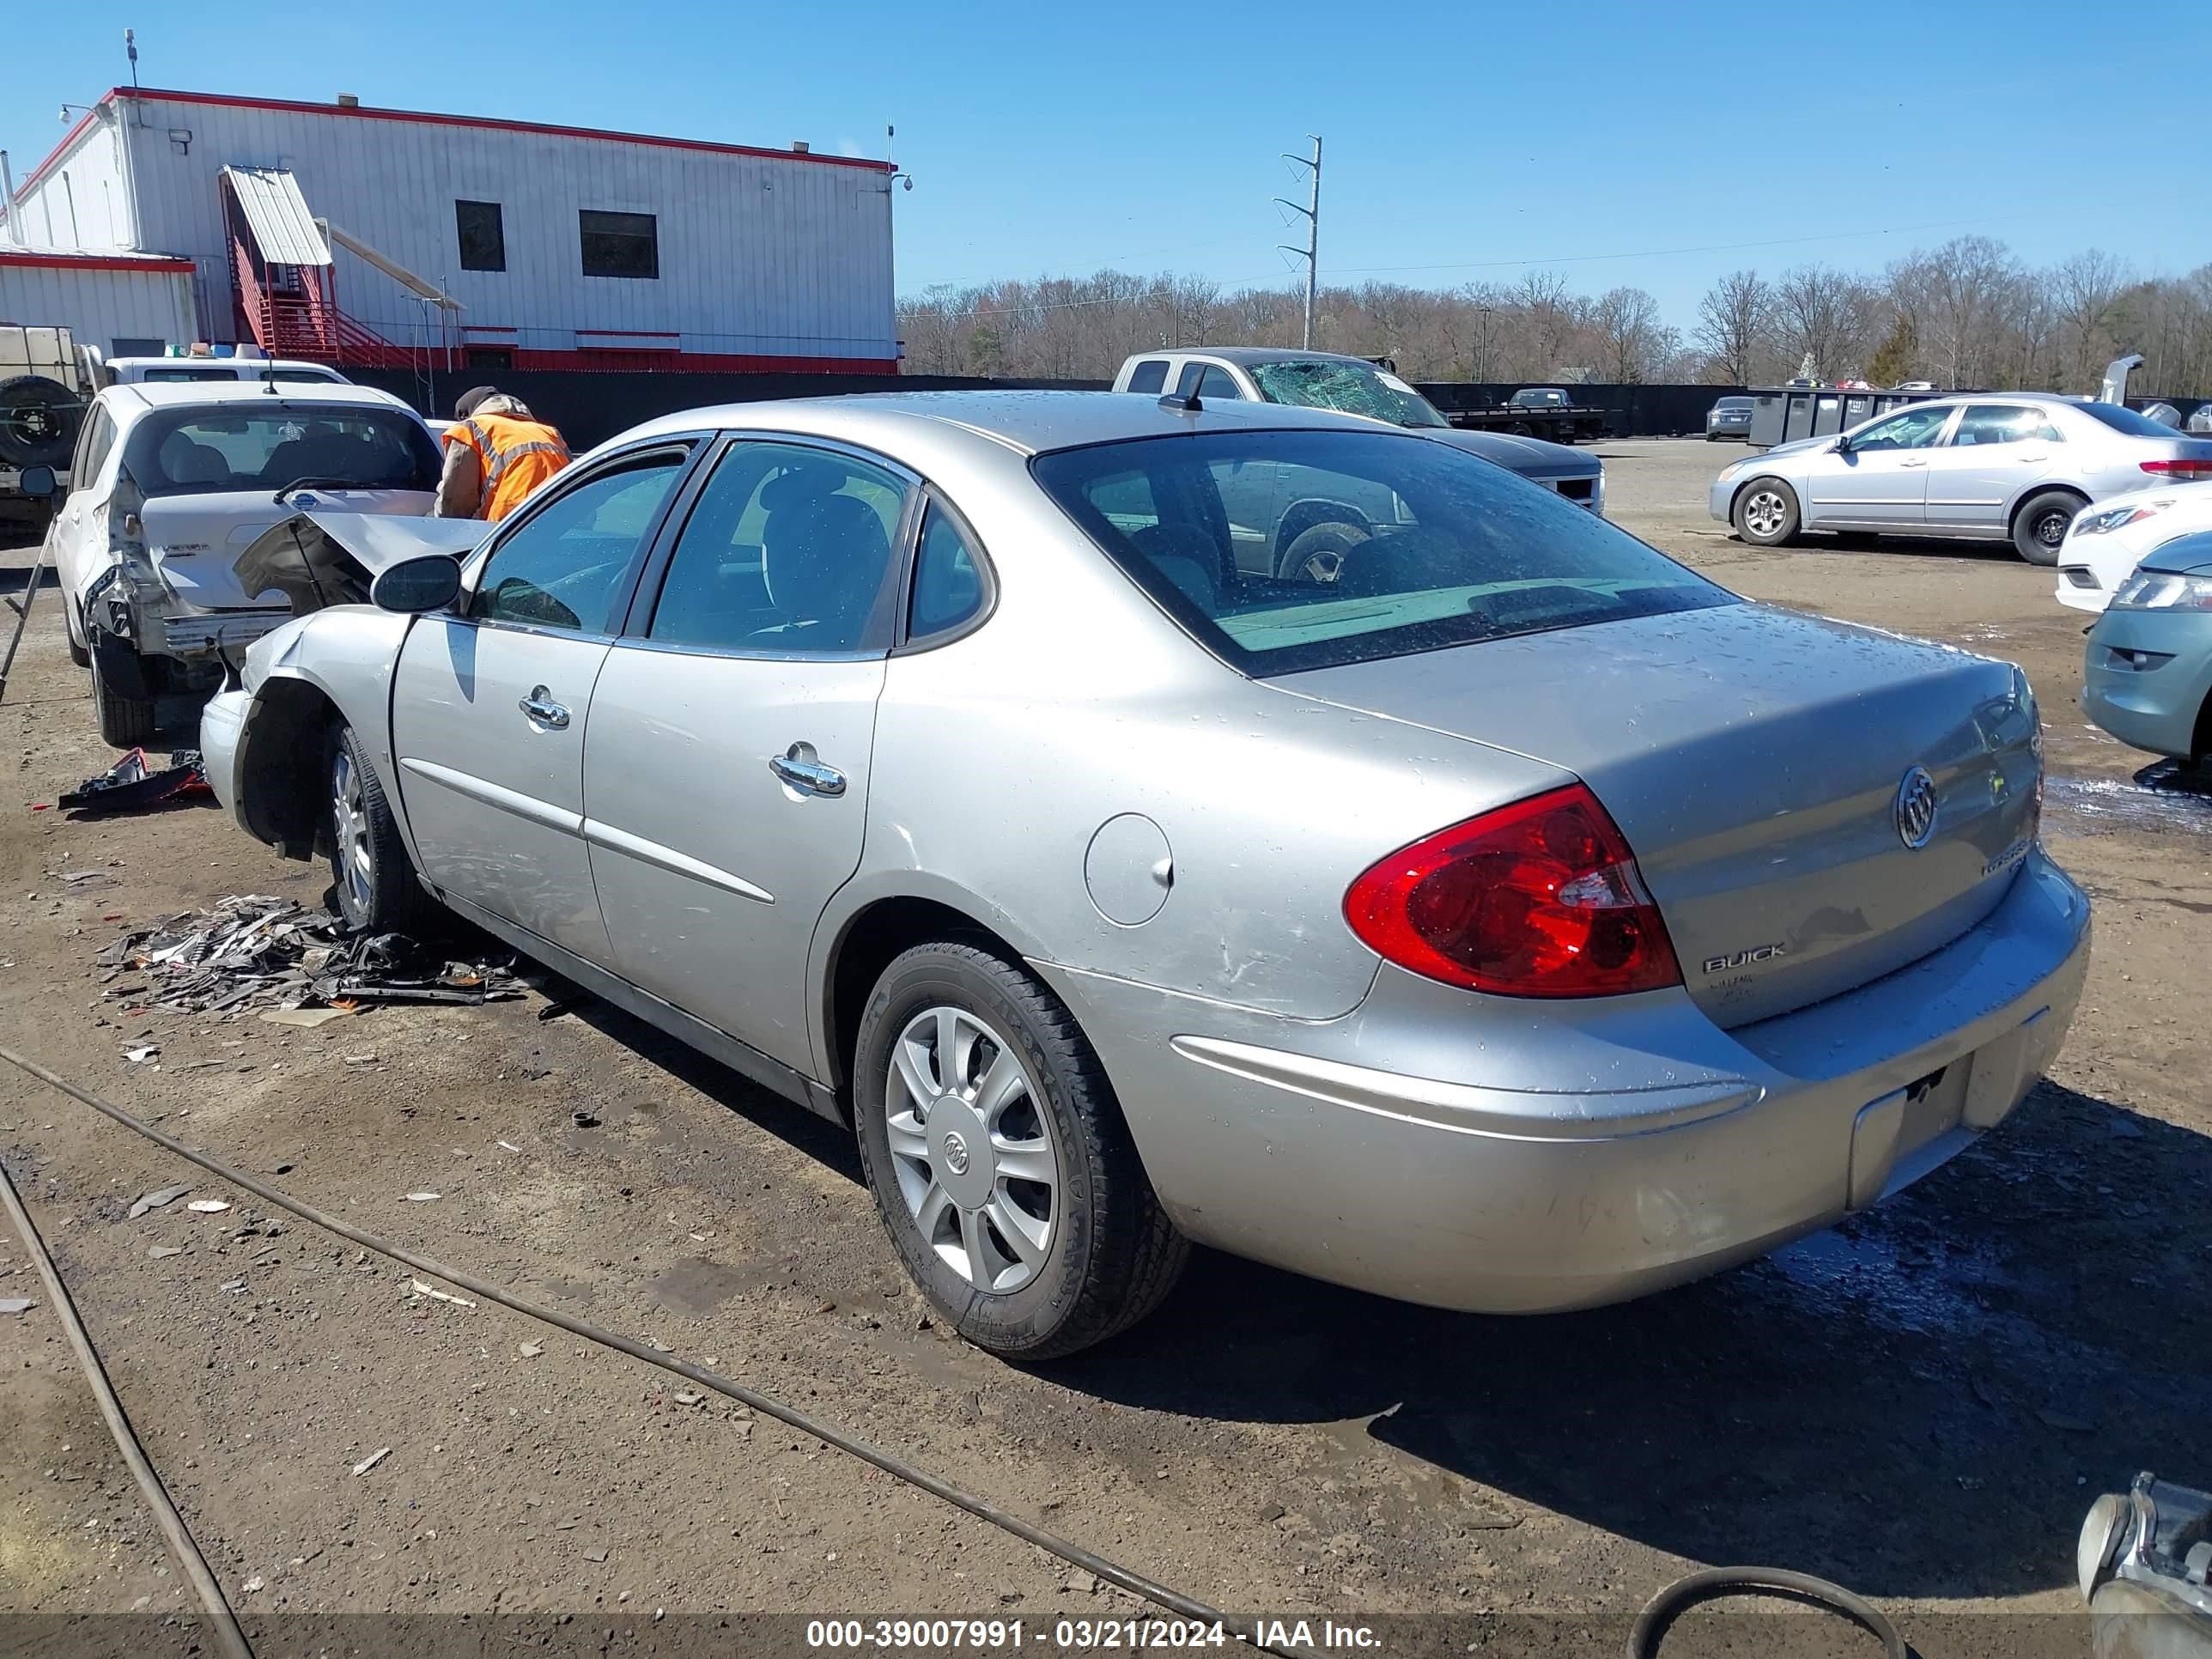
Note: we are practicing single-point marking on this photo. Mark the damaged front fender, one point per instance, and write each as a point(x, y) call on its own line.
point(320, 559)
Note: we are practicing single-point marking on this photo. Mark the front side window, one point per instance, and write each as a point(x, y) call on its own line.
point(560, 567)
point(1150, 375)
point(948, 578)
point(620, 244)
point(1383, 545)
point(244, 446)
point(786, 551)
point(1351, 388)
point(482, 235)
point(1912, 428)
point(1218, 383)
point(2001, 424)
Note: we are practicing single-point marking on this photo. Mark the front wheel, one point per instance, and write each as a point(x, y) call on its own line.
point(998, 1159)
point(377, 891)
point(1317, 553)
point(1766, 513)
point(2039, 529)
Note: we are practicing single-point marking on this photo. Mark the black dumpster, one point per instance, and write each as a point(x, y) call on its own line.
point(1782, 415)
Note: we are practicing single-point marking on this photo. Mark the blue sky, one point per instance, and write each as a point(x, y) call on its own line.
point(1465, 142)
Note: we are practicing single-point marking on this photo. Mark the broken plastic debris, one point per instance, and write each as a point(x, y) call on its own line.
point(131, 784)
point(15, 1304)
point(530, 1349)
point(209, 1205)
point(372, 1460)
point(437, 1295)
point(309, 1017)
point(683, 1399)
point(421, 1198)
point(157, 1199)
point(140, 1055)
point(236, 1286)
point(510, 1145)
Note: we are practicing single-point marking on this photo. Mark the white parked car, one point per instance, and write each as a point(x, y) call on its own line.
point(170, 483)
point(157, 371)
point(2106, 541)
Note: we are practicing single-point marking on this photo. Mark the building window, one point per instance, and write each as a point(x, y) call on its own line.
point(619, 244)
point(484, 238)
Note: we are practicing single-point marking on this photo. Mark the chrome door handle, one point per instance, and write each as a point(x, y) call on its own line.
point(1912, 463)
point(2031, 457)
point(543, 710)
point(797, 767)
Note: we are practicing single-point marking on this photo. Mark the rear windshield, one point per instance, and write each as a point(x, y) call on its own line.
point(2126, 420)
point(1281, 552)
point(238, 447)
point(1733, 403)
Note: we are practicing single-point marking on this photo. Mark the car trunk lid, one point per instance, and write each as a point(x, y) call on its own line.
point(195, 539)
point(1756, 759)
point(312, 560)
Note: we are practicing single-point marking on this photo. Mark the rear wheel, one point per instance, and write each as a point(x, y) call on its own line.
point(1766, 513)
point(1316, 554)
point(126, 717)
point(377, 891)
point(2039, 529)
point(998, 1159)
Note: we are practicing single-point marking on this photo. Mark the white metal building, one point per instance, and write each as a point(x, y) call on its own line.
point(370, 236)
point(126, 304)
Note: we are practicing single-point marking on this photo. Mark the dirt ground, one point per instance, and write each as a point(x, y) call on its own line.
point(1920, 1404)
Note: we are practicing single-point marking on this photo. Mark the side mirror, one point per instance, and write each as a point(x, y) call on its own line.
point(429, 582)
point(38, 482)
point(1842, 446)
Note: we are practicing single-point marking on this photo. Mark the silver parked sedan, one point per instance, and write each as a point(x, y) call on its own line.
point(1514, 920)
point(1994, 467)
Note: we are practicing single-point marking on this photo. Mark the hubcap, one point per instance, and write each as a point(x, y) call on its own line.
point(1764, 512)
point(357, 855)
point(972, 1148)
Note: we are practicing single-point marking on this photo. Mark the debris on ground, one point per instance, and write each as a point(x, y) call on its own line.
point(300, 966)
point(161, 1250)
point(530, 1349)
point(209, 1205)
point(159, 1198)
point(15, 1304)
point(421, 1198)
point(140, 1055)
point(372, 1460)
point(416, 1287)
point(133, 784)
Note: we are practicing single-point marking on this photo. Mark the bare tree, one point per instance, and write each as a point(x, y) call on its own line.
point(1827, 315)
point(1735, 320)
point(1635, 341)
point(2084, 291)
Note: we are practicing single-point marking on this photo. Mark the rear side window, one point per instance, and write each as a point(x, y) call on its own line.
point(1376, 545)
point(948, 578)
point(1150, 375)
point(2125, 420)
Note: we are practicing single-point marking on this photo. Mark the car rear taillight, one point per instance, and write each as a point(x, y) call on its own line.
point(1538, 899)
point(2187, 466)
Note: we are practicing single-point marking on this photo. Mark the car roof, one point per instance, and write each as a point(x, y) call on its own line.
point(1246, 356)
point(240, 364)
point(170, 394)
point(1027, 423)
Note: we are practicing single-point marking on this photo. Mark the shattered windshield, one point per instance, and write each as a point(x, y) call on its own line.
point(1349, 388)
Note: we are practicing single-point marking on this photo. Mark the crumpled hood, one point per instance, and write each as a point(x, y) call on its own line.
point(323, 558)
point(1530, 457)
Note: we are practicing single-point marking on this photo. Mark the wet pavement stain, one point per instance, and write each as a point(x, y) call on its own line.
point(2160, 800)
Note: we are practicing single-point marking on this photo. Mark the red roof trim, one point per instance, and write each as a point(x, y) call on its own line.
point(369, 112)
point(96, 262)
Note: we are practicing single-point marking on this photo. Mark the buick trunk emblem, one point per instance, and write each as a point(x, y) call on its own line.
point(1915, 808)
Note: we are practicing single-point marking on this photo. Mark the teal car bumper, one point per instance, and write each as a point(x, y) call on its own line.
point(2146, 677)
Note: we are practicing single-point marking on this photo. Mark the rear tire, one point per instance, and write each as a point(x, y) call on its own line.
point(1317, 553)
point(377, 890)
point(125, 722)
point(940, 1140)
point(79, 654)
point(2039, 529)
point(1766, 513)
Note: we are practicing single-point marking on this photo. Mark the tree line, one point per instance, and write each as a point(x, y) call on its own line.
point(1967, 313)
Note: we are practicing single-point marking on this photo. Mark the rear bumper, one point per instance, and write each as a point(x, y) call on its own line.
point(1501, 1156)
point(208, 634)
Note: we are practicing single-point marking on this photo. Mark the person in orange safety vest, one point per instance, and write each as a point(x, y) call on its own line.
point(496, 454)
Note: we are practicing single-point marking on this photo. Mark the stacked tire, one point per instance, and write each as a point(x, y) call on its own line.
point(39, 419)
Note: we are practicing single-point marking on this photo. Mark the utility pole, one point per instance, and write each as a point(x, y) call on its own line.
point(1311, 251)
point(1482, 371)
